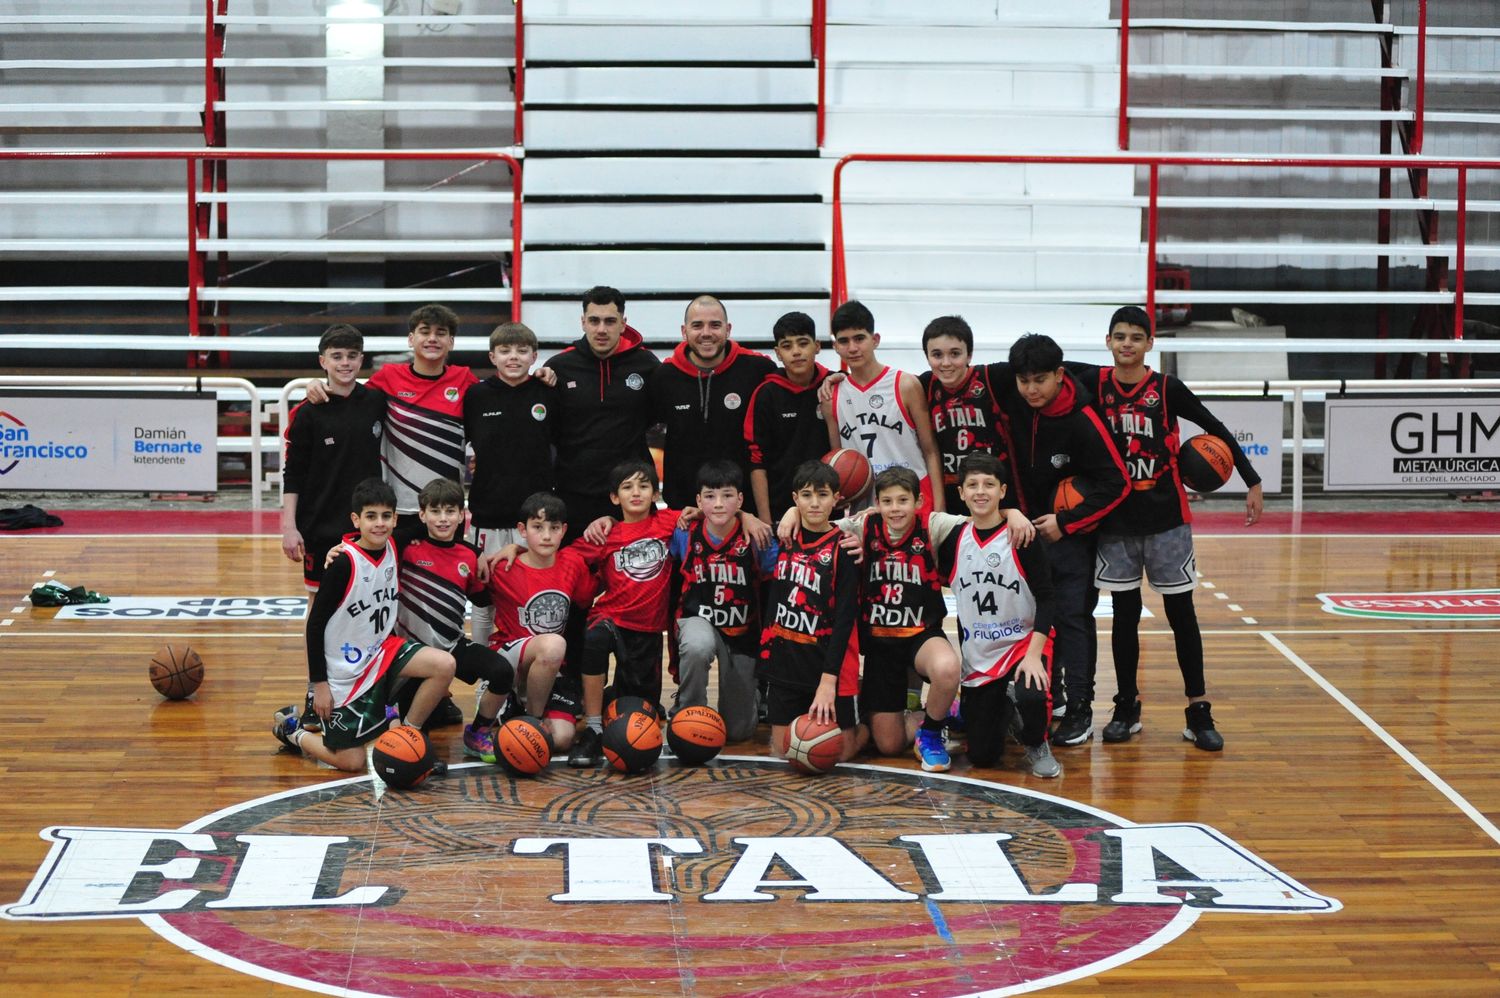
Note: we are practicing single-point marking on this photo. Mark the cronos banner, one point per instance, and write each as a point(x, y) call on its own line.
point(1413, 443)
point(97, 441)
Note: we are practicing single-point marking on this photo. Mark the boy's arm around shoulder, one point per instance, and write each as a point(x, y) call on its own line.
point(1102, 471)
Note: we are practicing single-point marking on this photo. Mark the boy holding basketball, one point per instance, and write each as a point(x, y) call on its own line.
point(354, 661)
point(1149, 532)
point(1058, 435)
point(718, 609)
point(540, 603)
point(809, 647)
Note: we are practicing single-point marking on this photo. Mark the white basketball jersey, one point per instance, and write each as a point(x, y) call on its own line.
point(996, 609)
point(366, 616)
point(873, 420)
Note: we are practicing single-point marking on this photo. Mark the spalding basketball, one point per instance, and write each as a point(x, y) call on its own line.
point(1206, 462)
point(813, 747)
point(696, 734)
point(1067, 496)
point(853, 470)
point(523, 746)
point(620, 706)
point(402, 757)
point(176, 672)
point(632, 743)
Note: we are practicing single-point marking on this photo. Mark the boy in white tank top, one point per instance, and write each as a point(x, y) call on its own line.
point(879, 411)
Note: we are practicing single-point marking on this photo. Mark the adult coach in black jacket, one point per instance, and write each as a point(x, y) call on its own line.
point(604, 406)
point(1057, 434)
point(700, 394)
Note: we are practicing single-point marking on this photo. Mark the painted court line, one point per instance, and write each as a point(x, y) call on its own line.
point(1485, 825)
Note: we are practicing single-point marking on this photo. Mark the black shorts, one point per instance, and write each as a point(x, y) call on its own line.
point(637, 658)
point(314, 554)
point(882, 686)
point(784, 704)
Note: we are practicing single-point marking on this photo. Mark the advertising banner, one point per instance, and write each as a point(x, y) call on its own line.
point(1415, 443)
point(1256, 424)
point(108, 441)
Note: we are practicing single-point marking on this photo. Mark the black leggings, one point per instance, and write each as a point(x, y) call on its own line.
point(1125, 641)
point(987, 711)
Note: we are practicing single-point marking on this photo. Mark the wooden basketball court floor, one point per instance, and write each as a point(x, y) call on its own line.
point(1360, 761)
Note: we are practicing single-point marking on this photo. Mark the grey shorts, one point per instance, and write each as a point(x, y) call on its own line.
point(1165, 558)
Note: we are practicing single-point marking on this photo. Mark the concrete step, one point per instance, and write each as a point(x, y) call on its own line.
point(723, 271)
point(982, 181)
point(867, 226)
point(1017, 269)
point(555, 129)
point(660, 320)
point(867, 85)
point(671, 85)
point(943, 130)
point(668, 11)
point(617, 175)
point(593, 224)
point(647, 41)
point(965, 12)
point(1082, 46)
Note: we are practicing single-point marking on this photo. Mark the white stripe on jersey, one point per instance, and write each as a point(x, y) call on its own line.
point(365, 618)
point(873, 420)
point(996, 608)
point(419, 445)
point(431, 610)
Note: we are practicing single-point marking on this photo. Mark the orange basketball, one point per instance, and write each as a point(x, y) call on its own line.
point(696, 734)
point(619, 706)
point(853, 470)
point(523, 746)
point(1067, 496)
point(402, 757)
point(632, 744)
point(811, 746)
point(176, 673)
point(1206, 462)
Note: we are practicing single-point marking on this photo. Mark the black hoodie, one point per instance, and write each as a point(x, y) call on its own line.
point(784, 426)
point(605, 409)
point(704, 413)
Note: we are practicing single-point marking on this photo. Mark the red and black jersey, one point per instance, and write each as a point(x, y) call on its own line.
point(1142, 418)
point(438, 578)
point(721, 583)
point(902, 594)
point(635, 572)
point(810, 614)
point(530, 601)
point(424, 428)
point(966, 420)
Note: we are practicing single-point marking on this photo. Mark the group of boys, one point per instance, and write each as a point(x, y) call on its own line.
point(840, 619)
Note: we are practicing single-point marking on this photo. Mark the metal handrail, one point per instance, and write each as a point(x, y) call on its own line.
point(191, 157)
point(194, 383)
point(839, 286)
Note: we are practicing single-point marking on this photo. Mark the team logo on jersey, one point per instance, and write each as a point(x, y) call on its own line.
point(539, 412)
point(877, 401)
point(1444, 604)
point(976, 389)
point(825, 556)
point(635, 382)
point(1058, 460)
point(993, 559)
point(463, 569)
point(545, 613)
point(451, 394)
point(1151, 399)
point(642, 560)
point(732, 401)
point(1025, 889)
point(375, 429)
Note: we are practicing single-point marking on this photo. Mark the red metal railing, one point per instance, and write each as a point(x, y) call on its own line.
point(520, 84)
point(839, 283)
point(193, 157)
point(1418, 112)
point(820, 56)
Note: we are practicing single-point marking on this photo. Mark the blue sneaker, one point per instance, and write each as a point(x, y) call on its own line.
point(283, 725)
point(930, 751)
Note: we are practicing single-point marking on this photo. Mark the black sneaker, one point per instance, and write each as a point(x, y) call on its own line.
point(1200, 727)
point(445, 715)
point(309, 721)
point(511, 709)
point(1076, 727)
point(586, 752)
point(284, 725)
point(1126, 722)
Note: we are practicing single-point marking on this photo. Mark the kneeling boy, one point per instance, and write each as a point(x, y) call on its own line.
point(354, 661)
